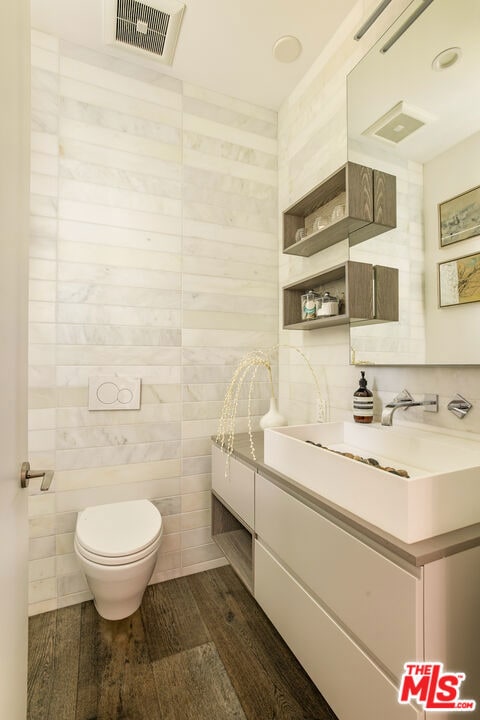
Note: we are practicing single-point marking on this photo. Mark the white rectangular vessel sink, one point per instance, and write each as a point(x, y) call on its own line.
point(441, 494)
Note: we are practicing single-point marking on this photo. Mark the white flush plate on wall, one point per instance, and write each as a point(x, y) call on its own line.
point(113, 393)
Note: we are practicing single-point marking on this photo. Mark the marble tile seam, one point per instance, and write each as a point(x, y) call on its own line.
point(110, 79)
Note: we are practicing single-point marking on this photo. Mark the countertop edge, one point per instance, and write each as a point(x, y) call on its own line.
point(416, 554)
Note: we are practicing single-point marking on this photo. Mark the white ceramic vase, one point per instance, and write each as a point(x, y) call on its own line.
point(272, 418)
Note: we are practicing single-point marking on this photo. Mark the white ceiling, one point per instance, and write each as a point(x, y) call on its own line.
point(451, 98)
point(224, 45)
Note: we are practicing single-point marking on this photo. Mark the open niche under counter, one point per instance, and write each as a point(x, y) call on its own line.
point(370, 291)
point(233, 512)
point(355, 202)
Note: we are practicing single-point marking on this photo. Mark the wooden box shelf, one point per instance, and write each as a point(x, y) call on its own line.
point(384, 209)
point(369, 199)
point(371, 295)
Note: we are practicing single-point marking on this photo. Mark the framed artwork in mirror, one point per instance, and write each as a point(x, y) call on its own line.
point(459, 217)
point(459, 281)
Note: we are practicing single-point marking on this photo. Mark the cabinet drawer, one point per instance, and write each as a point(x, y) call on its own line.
point(346, 677)
point(379, 602)
point(235, 486)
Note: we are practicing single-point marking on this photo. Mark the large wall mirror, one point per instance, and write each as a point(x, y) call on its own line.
point(414, 112)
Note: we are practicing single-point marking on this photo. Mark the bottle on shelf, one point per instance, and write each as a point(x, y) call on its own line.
point(363, 402)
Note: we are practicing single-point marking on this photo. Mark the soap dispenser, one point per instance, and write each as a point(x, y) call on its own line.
point(363, 402)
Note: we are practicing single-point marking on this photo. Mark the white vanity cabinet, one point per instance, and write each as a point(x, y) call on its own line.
point(233, 512)
point(380, 602)
point(351, 615)
point(233, 482)
point(351, 602)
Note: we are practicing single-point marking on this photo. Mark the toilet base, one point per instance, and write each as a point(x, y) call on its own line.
point(117, 610)
point(118, 590)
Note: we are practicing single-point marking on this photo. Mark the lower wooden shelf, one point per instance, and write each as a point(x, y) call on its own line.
point(234, 540)
point(318, 323)
point(371, 295)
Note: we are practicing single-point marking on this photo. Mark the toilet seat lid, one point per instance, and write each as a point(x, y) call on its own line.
point(118, 529)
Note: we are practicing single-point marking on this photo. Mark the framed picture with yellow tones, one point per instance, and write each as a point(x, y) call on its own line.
point(459, 281)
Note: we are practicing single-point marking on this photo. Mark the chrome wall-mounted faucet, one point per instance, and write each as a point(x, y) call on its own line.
point(404, 400)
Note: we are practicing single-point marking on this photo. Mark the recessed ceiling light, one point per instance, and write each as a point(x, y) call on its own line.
point(447, 58)
point(287, 49)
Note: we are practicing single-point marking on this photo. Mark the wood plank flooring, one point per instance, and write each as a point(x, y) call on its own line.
point(199, 648)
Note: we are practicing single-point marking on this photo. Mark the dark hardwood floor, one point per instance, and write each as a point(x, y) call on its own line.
point(199, 648)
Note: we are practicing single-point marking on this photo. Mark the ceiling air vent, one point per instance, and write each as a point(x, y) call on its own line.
point(150, 29)
point(398, 123)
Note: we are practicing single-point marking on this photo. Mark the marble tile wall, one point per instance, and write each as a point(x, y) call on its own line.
point(154, 252)
point(153, 255)
point(312, 144)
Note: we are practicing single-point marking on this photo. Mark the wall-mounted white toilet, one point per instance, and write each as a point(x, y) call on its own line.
point(117, 548)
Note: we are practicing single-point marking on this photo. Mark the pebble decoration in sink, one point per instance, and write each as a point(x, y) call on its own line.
point(367, 461)
point(441, 494)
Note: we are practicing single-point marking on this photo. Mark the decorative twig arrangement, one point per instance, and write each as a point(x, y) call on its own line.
point(246, 371)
